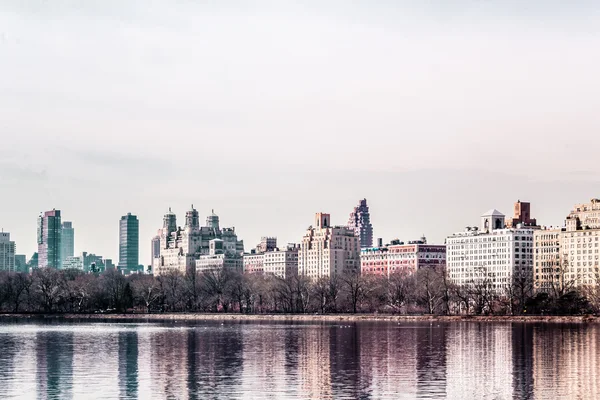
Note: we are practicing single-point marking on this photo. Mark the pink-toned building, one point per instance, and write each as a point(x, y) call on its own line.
point(398, 257)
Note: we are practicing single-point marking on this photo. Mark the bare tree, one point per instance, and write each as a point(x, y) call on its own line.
point(14, 286)
point(481, 290)
point(172, 286)
point(400, 286)
point(114, 286)
point(563, 278)
point(48, 285)
point(320, 289)
point(146, 290)
point(215, 283)
point(429, 288)
point(354, 285)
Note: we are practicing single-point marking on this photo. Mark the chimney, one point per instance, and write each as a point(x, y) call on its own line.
point(379, 242)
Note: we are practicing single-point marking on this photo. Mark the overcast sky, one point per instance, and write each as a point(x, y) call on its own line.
point(268, 112)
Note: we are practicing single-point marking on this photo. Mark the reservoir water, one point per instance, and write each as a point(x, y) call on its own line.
point(260, 360)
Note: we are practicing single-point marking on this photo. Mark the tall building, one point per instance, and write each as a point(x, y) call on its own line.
point(33, 262)
point(493, 255)
point(328, 250)
point(155, 248)
point(49, 239)
point(570, 257)
point(522, 216)
point(20, 263)
point(7, 253)
point(129, 243)
point(547, 244)
point(402, 257)
point(68, 240)
point(360, 223)
point(584, 216)
point(181, 248)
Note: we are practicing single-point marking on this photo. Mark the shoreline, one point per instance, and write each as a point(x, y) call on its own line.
point(183, 317)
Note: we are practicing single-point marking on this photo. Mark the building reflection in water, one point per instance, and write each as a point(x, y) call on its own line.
point(54, 354)
point(463, 360)
point(128, 364)
point(566, 361)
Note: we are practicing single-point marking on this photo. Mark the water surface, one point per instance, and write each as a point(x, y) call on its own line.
point(244, 360)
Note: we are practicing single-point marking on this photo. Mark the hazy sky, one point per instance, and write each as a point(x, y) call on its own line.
point(268, 112)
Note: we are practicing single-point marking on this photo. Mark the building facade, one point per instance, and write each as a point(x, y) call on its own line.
point(282, 263)
point(254, 263)
point(278, 262)
point(522, 216)
point(399, 257)
point(360, 223)
point(129, 243)
point(49, 239)
point(547, 245)
point(67, 240)
point(580, 263)
point(155, 248)
point(326, 251)
point(267, 243)
point(7, 253)
point(21, 263)
point(493, 255)
point(584, 216)
point(575, 261)
point(181, 248)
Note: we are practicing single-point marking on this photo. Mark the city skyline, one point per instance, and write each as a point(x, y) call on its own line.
point(409, 234)
point(456, 99)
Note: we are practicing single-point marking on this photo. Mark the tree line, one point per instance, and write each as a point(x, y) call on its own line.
point(427, 291)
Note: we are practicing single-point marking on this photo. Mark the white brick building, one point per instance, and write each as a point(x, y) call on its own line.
point(493, 252)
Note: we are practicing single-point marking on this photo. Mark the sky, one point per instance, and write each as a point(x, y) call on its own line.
point(270, 111)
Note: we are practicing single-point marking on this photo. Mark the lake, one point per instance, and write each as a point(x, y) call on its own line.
point(254, 360)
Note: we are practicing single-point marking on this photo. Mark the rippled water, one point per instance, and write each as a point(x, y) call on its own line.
point(214, 360)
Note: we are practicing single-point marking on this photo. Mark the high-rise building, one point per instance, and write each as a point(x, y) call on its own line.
point(20, 263)
point(129, 243)
point(580, 247)
point(360, 223)
point(493, 256)
point(33, 262)
point(155, 248)
point(7, 253)
point(328, 250)
point(584, 216)
point(180, 249)
point(68, 240)
point(547, 244)
point(49, 239)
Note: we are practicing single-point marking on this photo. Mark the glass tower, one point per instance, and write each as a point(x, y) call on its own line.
point(49, 239)
point(129, 246)
point(68, 240)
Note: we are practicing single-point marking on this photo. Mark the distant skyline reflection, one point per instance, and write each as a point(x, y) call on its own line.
point(366, 360)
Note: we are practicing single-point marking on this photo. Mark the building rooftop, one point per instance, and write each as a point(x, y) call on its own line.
point(493, 212)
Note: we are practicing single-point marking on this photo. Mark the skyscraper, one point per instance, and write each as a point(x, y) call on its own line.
point(328, 250)
point(68, 241)
point(49, 239)
point(7, 252)
point(360, 223)
point(155, 248)
point(129, 243)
